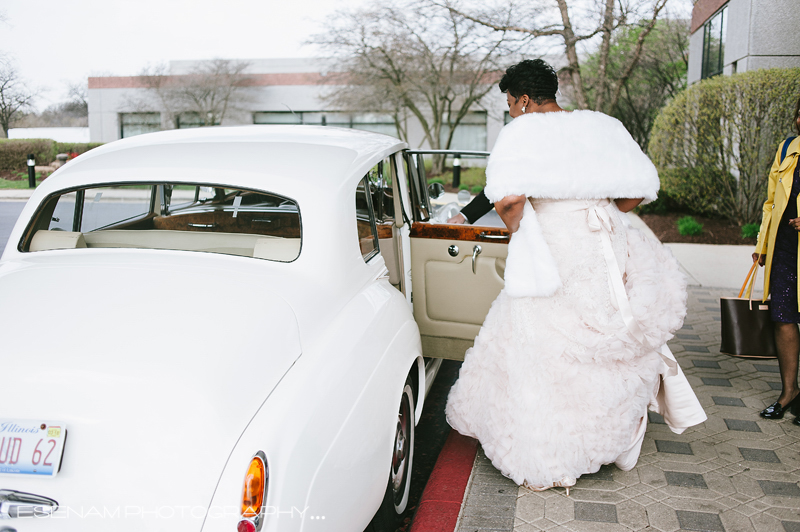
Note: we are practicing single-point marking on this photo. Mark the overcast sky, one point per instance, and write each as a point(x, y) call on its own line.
point(54, 42)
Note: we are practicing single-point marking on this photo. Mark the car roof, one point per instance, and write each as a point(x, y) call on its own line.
point(273, 157)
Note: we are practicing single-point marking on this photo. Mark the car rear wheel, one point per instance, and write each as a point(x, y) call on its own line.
point(395, 499)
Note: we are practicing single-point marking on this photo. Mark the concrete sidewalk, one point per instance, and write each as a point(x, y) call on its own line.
point(15, 194)
point(708, 265)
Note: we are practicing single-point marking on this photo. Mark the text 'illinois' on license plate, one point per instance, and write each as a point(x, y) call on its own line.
point(31, 447)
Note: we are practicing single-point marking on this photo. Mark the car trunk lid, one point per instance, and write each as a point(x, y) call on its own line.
point(155, 370)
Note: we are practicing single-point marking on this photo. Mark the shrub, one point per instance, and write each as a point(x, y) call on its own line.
point(726, 129)
point(750, 230)
point(463, 186)
point(436, 180)
point(76, 147)
point(662, 204)
point(688, 226)
point(14, 152)
point(476, 189)
point(695, 190)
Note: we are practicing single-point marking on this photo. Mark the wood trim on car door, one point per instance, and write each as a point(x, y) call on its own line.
point(450, 298)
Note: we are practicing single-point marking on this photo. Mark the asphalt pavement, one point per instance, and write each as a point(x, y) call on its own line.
point(9, 212)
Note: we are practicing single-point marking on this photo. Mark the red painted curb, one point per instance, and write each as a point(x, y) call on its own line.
point(441, 500)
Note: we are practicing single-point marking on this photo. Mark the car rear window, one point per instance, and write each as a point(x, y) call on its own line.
point(174, 216)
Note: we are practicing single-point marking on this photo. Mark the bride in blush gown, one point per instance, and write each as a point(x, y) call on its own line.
point(573, 350)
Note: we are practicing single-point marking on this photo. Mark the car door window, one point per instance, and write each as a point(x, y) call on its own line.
point(380, 182)
point(365, 220)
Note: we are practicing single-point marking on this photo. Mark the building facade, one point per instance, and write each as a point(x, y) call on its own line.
point(280, 91)
point(730, 36)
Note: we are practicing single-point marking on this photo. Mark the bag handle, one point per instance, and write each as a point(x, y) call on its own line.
point(750, 277)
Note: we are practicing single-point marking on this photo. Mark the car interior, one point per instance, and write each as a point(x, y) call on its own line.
point(169, 216)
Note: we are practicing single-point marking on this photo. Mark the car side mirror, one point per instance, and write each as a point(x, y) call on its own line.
point(435, 190)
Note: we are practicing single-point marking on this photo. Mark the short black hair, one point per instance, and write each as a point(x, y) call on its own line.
point(533, 77)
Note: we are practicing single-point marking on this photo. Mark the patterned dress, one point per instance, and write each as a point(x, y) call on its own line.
point(783, 278)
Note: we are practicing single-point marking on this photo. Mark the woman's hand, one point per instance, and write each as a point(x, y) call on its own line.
point(795, 223)
point(627, 204)
point(762, 259)
point(510, 210)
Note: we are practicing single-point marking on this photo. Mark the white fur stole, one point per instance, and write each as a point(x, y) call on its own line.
point(577, 155)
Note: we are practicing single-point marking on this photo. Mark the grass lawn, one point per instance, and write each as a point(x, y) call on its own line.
point(470, 178)
point(19, 183)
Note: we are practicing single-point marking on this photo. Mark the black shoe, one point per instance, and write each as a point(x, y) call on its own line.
point(797, 421)
point(776, 411)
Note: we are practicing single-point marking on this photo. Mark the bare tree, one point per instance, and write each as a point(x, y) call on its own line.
point(557, 19)
point(398, 56)
point(78, 94)
point(205, 95)
point(15, 97)
point(73, 112)
point(659, 76)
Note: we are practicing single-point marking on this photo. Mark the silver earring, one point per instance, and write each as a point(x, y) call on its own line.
point(523, 108)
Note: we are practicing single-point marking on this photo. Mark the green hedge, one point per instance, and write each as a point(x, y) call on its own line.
point(719, 138)
point(697, 191)
point(14, 152)
point(76, 147)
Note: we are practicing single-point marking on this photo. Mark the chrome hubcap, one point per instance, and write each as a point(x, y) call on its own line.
point(401, 451)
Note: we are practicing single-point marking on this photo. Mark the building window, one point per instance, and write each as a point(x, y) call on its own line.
point(285, 117)
point(714, 43)
point(192, 119)
point(132, 124)
point(470, 134)
point(375, 122)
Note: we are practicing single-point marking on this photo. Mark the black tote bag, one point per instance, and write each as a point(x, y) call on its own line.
point(747, 329)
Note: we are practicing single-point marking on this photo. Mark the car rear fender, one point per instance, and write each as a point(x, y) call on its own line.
point(328, 427)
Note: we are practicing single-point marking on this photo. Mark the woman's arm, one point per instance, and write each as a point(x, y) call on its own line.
point(627, 204)
point(510, 210)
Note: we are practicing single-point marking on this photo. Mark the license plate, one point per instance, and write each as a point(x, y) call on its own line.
point(31, 447)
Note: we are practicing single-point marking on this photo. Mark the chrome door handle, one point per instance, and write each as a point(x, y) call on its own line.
point(16, 504)
point(487, 236)
point(203, 226)
point(475, 252)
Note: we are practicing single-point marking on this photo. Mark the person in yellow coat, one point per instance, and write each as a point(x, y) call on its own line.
point(777, 249)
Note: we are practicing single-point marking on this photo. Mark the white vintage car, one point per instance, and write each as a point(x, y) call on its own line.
point(213, 330)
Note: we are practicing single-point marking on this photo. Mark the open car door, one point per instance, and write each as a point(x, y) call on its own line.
point(457, 270)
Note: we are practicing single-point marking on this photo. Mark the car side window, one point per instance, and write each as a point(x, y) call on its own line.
point(380, 180)
point(105, 207)
point(365, 220)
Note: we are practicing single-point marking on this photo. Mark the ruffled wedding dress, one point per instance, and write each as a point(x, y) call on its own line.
point(557, 386)
point(573, 351)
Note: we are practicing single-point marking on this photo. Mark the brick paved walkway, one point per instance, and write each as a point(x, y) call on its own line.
point(735, 472)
